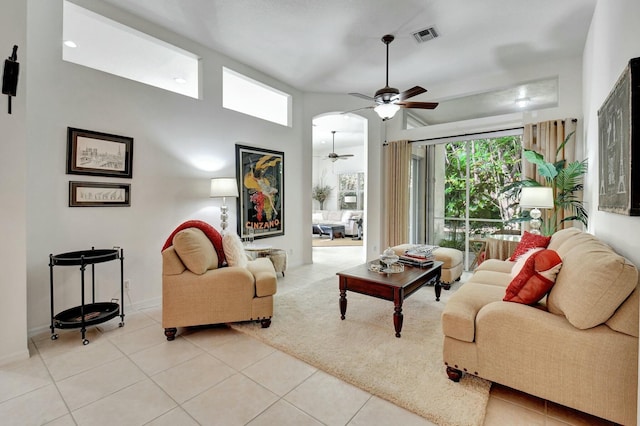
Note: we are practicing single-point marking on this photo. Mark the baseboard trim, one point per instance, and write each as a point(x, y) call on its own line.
point(16, 356)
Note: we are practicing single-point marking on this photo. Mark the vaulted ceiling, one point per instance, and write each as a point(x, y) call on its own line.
point(334, 46)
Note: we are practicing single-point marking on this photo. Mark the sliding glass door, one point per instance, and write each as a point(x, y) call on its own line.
point(463, 191)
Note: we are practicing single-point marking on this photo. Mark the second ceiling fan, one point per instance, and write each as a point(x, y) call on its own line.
point(389, 99)
point(332, 155)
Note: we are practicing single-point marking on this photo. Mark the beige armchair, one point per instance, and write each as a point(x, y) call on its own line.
point(198, 289)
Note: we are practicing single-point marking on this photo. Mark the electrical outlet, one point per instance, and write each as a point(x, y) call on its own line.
point(127, 284)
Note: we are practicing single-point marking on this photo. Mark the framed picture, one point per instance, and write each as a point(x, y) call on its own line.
point(99, 194)
point(261, 202)
point(99, 154)
point(619, 145)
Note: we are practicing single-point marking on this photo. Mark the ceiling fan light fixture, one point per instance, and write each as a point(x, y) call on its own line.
point(386, 111)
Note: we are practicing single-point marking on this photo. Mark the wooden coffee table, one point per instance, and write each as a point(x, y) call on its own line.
point(393, 287)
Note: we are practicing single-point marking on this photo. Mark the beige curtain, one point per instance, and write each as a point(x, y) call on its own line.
point(545, 138)
point(397, 161)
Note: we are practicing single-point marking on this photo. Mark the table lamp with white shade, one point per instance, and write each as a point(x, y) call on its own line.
point(536, 198)
point(222, 188)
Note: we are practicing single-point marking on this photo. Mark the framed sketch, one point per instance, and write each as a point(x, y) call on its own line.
point(99, 194)
point(619, 145)
point(99, 154)
point(261, 201)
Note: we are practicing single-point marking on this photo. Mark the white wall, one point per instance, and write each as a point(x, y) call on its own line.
point(13, 280)
point(614, 38)
point(179, 144)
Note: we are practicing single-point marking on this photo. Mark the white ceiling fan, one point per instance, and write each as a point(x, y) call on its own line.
point(332, 155)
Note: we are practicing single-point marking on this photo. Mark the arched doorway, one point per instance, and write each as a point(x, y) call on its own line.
point(339, 167)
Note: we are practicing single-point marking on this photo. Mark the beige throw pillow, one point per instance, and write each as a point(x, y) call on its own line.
point(195, 250)
point(592, 284)
point(234, 250)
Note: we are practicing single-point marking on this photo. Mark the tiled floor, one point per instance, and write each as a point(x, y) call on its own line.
point(211, 376)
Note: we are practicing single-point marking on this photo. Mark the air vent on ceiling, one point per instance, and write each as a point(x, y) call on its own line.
point(425, 34)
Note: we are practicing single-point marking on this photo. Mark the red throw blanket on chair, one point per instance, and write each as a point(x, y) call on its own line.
point(211, 233)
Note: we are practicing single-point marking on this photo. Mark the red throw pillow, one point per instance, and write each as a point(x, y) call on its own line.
point(528, 242)
point(535, 279)
point(522, 260)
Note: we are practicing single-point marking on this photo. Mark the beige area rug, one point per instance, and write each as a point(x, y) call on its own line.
point(336, 242)
point(364, 351)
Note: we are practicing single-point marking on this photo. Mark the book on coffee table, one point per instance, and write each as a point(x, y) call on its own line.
point(418, 255)
point(416, 261)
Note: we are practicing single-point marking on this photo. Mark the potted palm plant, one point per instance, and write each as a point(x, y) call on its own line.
point(566, 180)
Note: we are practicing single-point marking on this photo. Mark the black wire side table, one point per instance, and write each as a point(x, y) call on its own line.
point(86, 314)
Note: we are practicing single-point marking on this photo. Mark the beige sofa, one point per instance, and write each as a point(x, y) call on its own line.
point(577, 347)
point(346, 218)
point(198, 288)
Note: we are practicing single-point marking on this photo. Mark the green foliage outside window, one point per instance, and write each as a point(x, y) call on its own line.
point(493, 164)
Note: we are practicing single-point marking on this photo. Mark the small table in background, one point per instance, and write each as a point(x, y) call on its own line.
point(257, 250)
point(279, 259)
point(501, 246)
point(477, 246)
point(277, 256)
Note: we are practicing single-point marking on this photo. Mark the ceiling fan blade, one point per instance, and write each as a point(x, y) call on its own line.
point(360, 95)
point(410, 93)
point(419, 105)
point(345, 155)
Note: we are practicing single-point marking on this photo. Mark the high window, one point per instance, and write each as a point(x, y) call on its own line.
point(97, 42)
point(243, 94)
